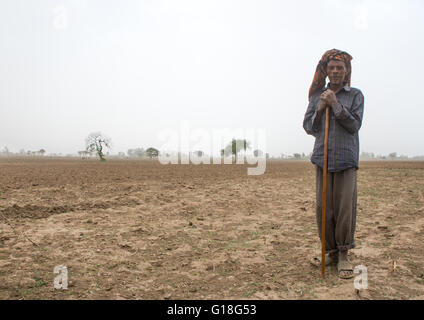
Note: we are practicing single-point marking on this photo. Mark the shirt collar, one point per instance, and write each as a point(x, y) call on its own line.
point(346, 86)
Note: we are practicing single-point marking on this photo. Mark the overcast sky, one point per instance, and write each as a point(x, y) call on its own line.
point(132, 69)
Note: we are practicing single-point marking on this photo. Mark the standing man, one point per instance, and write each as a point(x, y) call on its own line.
point(346, 109)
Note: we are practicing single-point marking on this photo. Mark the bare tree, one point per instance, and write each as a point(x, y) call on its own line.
point(96, 142)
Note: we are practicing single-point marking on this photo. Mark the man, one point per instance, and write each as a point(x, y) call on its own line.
point(346, 109)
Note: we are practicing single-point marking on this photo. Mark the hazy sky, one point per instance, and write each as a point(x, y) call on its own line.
point(132, 69)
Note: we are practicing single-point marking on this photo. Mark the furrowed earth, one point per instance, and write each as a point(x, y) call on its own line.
point(133, 229)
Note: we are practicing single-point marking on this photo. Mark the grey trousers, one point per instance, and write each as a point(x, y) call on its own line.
point(341, 209)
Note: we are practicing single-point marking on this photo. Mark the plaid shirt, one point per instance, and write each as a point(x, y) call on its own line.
point(345, 121)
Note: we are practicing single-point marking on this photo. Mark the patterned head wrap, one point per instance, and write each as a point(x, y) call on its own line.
point(321, 71)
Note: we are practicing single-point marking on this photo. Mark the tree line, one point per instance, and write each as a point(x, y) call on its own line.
point(97, 144)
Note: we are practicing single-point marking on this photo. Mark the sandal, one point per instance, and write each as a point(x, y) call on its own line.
point(343, 267)
point(329, 259)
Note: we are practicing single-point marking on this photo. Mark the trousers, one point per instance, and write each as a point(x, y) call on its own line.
point(340, 214)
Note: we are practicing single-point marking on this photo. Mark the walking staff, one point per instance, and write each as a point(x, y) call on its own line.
point(324, 190)
point(335, 156)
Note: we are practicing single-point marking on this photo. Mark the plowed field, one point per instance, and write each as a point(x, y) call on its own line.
point(128, 229)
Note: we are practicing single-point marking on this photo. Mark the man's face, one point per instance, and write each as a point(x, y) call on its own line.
point(336, 71)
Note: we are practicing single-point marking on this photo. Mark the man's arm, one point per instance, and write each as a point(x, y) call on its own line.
point(311, 122)
point(352, 120)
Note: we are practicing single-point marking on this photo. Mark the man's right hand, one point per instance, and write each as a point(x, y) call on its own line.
point(321, 106)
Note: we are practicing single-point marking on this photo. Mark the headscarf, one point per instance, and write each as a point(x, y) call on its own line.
point(321, 71)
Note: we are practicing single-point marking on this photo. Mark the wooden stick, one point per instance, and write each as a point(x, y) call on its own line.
point(324, 190)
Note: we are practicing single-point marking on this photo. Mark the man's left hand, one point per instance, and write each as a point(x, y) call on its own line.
point(329, 97)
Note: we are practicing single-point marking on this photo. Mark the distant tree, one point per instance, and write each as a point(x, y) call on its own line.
point(42, 152)
point(84, 154)
point(121, 154)
point(234, 147)
point(297, 156)
point(257, 153)
point(366, 156)
point(393, 155)
point(152, 153)
point(5, 151)
point(138, 152)
point(96, 142)
point(199, 153)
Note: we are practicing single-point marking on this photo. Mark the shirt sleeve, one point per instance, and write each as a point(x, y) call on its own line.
point(352, 120)
point(311, 121)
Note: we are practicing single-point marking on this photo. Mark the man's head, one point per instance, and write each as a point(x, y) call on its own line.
point(336, 65)
point(336, 72)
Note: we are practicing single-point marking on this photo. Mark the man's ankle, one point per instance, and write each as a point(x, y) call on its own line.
point(334, 254)
point(343, 255)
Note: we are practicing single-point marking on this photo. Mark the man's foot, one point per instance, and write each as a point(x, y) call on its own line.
point(345, 269)
point(329, 259)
